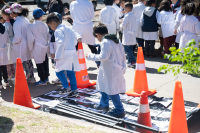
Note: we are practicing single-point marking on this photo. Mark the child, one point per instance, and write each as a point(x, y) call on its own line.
point(189, 25)
point(9, 27)
point(66, 57)
point(20, 48)
point(129, 37)
point(166, 20)
point(3, 56)
point(149, 27)
point(137, 11)
point(123, 13)
point(117, 8)
point(37, 34)
point(108, 16)
point(110, 80)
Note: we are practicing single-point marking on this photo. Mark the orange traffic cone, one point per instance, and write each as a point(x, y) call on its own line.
point(198, 106)
point(178, 122)
point(144, 117)
point(21, 93)
point(140, 81)
point(82, 77)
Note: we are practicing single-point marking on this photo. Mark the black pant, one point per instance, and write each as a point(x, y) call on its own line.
point(92, 48)
point(149, 46)
point(140, 43)
point(43, 69)
point(5, 74)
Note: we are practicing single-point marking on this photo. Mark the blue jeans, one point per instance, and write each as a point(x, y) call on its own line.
point(62, 77)
point(129, 51)
point(104, 101)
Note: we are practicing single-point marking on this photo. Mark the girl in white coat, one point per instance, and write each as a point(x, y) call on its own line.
point(189, 25)
point(108, 16)
point(166, 20)
point(3, 54)
point(110, 80)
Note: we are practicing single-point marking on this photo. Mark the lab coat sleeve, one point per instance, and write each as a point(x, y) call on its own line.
point(30, 38)
point(124, 23)
point(177, 22)
point(180, 28)
point(60, 40)
point(159, 19)
point(141, 19)
point(71, 11)
point(117, 20)
point(92, 11)
point(17, 33)
point(51, 45)
point(124, 61)
point(104, 54)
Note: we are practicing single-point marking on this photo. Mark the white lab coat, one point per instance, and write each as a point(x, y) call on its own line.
point(108, 16)
point(9, 29)
point(37, 38)
point(113, 65)
point(82, 13)
point(20, 47)
point(66, 39)
point(129, 29)
point(3, 48)
point(166, 20)
point(179, 16)
point(118, 10)
point(137, 11)
point(149, 35)
point(189, 25)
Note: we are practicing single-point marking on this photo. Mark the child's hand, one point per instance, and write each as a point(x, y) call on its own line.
point(53, 56)
point(79, 40)
point(175, 32)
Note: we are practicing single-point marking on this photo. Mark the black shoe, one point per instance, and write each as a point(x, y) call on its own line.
point(99, 107)
point(117, 115)
point(73, 94)
point(65, 91)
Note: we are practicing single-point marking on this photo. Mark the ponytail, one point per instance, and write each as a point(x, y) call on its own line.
point(24, 12)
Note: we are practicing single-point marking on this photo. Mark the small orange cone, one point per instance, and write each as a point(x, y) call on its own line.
point(198, 106)
point(144, 117)
point(178, 122)
point(21, 92)
point(140, 80)
point(82, 77)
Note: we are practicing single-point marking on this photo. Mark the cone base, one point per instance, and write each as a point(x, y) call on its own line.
point(91, 83)
point(36, 106)
point(131, 93)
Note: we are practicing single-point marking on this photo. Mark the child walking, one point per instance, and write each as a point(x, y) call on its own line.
point(129, 34)
point(150, 27)
point(66, 57)
point(3, 54)
point(166, 20)
point(37, 37)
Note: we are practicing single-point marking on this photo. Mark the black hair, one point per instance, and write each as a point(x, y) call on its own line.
point(59, 2)
point(100, 29)
point(165, 5)
point(36, 18)
point(183, 4)
point(150, 2)
point(197, 8)
point(24, 12)
point(3, 10)
point(52, 17)
point(128, 5)
point(108, 2)
point(189, 9)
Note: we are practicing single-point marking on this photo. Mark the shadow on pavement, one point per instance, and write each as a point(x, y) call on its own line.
point(6, 124)
point(92, 76)
point(152, 71)
point(92, 68)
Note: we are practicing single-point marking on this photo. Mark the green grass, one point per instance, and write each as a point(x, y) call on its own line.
point(20, 127)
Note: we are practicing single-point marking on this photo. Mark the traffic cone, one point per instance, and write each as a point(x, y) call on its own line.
point(178, 122)
point(144, 117)
point(198, 106)
point(140, 80)
point(21, 92)
point(82, 77)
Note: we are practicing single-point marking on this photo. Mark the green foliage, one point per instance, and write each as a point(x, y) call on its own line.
point(189, 56)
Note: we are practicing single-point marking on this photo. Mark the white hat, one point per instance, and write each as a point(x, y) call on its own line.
point(16, 8)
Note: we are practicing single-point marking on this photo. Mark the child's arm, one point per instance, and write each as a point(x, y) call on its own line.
point(17, 32)
point(60, 40)
point(124, 23)
point(117, 21)
point(30, 38)
point(142, 19)
point(159, 19)
point(104, 54)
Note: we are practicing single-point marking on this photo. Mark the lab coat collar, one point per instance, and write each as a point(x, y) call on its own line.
point(140, 3)
point(38, 21)
point(18, 17)
point(60, 25)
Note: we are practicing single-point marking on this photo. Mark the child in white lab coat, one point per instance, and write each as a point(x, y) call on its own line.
point(37, 38)
point(122, 3)
point(3, 53)
point(189, 26)
point(129, 26)
point(66, 56)
point(110, 80)
point(166, 20)
point(117, 8)
point(108, 16)
point(9, 27)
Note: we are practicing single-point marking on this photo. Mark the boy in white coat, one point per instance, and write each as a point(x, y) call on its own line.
point(110, 80)
point(37, 34)
point(108, 16)
point(129, 27)
point(66, 57)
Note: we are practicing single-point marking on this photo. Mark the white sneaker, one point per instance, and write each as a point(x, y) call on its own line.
point(56, 81)
point(1, 87)
point(131, 64)
point(6, 84)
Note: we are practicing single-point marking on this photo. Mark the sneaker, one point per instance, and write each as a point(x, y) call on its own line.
point(1, 87)
point(46, 80)
point(73, 94)
point(40, 83)
point(31, 80)
point(99, 107)
point(131, 64)
point(65, 91)
point(56, 81)
point(27, 76)
point(6, 84)
point(115, 114)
